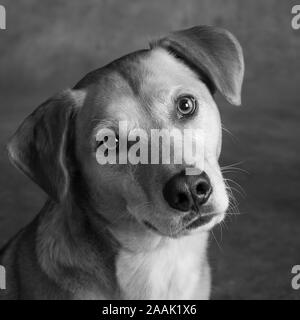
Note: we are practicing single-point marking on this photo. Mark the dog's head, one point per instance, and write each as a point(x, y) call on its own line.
point(166, 89)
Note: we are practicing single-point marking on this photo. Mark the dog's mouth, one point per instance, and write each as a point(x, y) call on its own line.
point(199, 221)
point(150, 226)
point(192, 224)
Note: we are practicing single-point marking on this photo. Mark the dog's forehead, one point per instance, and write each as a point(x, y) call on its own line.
point(137, 87)
point(165, 71)
point(147, 83)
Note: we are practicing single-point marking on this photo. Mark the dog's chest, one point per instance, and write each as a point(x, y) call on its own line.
point(170, 272)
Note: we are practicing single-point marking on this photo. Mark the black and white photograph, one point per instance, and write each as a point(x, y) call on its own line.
point(149, 150)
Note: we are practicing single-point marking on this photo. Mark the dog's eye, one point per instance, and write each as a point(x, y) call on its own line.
point(109, 142)
point(186, 105)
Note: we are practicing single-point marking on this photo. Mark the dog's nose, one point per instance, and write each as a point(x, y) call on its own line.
point(187, 192)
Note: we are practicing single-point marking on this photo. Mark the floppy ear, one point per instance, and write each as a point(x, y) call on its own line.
point(39, 146)
point(212, 51)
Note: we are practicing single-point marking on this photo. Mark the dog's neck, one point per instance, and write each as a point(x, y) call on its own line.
point(156, 267)
point(118, 263)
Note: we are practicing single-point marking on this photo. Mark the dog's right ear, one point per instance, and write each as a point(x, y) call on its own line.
point(212, 52)
point(39, 147)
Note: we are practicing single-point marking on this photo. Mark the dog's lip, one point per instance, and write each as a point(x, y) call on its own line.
point(193, 224)
point(199, 221)
point(150, 226)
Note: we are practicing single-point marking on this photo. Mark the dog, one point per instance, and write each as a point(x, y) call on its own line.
point(126, 231)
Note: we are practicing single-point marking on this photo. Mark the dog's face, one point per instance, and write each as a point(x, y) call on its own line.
point(168, 87)
point(147, 97)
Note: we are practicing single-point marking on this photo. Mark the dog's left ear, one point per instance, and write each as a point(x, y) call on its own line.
point(212, 51)
point(39, 147)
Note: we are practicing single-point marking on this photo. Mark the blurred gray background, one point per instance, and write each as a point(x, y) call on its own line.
point(50, 45)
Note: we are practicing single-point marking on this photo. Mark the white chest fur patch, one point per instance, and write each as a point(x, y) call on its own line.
point(171, 271)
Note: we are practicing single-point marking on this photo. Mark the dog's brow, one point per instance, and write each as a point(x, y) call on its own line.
point(168, 95)
point(105, 124)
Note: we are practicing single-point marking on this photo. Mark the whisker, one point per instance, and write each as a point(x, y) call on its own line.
point(234, 164)
point(237, 184)
point(233, 168)
point(238, 191)
point(216, 241)
point(230, 133)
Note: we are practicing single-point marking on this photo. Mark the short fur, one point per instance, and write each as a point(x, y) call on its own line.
point(92, 239)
